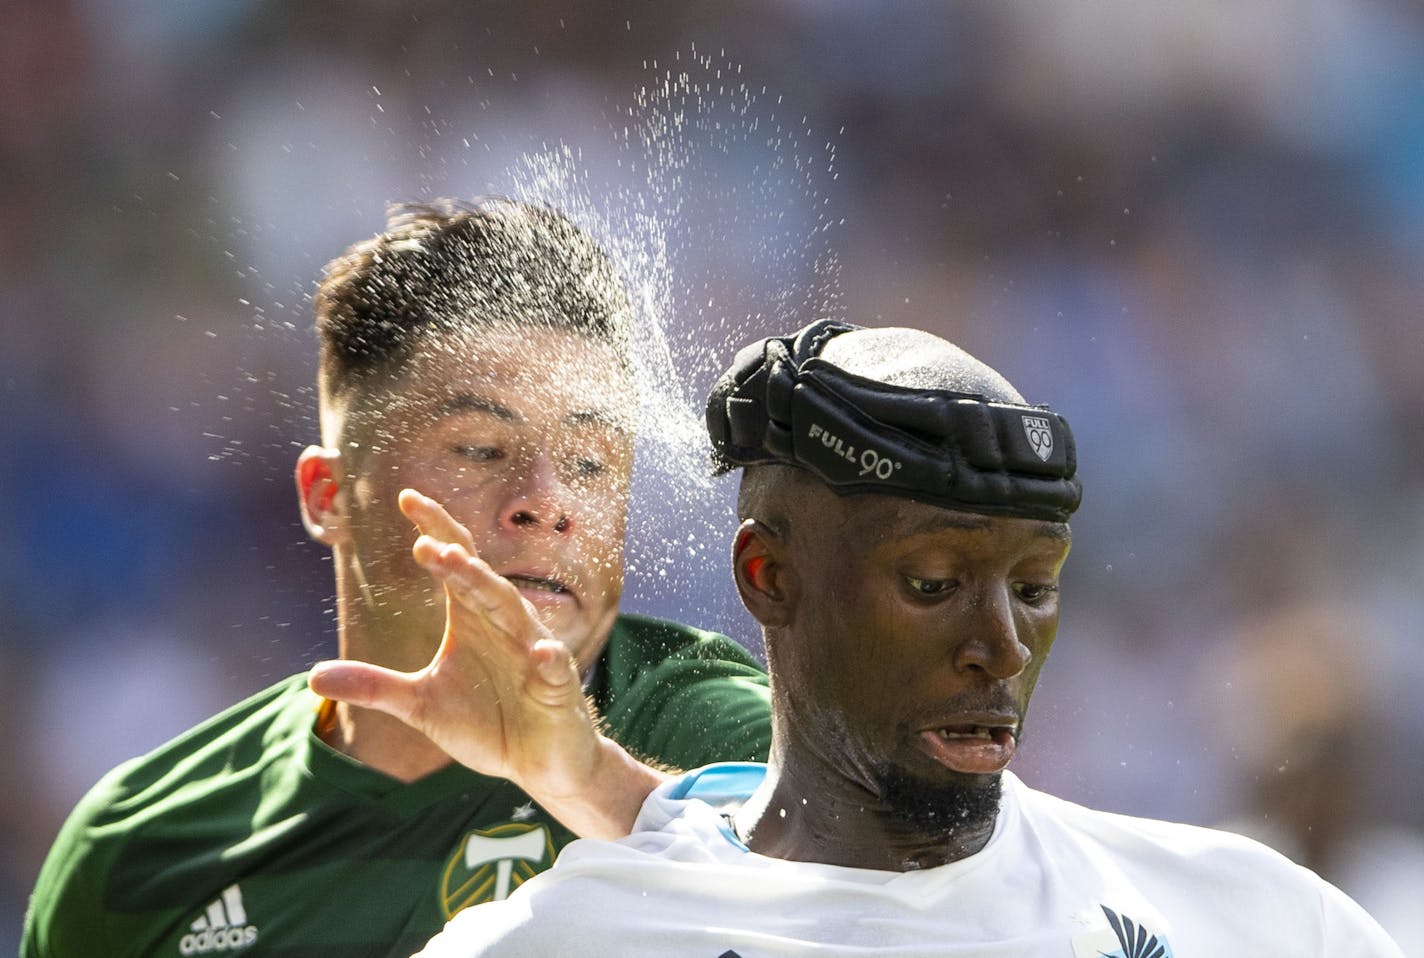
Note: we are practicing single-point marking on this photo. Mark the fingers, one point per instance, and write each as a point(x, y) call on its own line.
point(365, 685)
point(447, 551)
point(472, 585)
point(431, 518)
point(468, 577)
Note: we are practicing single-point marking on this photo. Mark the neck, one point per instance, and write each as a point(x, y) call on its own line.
point(379, 741)
point(404, 643)
point(806, 812)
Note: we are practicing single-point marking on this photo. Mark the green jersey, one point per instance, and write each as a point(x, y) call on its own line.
point(250, 835)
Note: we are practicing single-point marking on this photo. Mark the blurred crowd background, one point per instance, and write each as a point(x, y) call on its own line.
point(1197, 229)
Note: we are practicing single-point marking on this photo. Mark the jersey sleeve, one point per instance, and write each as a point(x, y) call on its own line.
point(1349, 931)
point(65, 914)
point(693, 715)
point(692, 698)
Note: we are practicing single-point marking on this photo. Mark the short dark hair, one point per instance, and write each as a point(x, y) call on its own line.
point(452, 265)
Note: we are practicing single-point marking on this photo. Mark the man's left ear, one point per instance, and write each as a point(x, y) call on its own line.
point(320, 494)
point(767, 584)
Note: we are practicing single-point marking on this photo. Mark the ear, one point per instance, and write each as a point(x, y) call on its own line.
point(765, 580)
point(319, 492)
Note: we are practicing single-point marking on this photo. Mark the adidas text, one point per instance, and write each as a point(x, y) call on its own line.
point(222, 926)
point(213, 940)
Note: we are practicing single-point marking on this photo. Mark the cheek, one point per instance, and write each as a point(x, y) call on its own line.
point(605, 566)
point(856, 633)
point(599, 543)
point(1037, 629)
point(455, 478)
point(606, 515)
point(472, 495)
point(1037, 633)
point(603, 519)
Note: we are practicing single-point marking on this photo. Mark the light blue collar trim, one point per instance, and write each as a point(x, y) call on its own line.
point(725, 787)
point(720, 783)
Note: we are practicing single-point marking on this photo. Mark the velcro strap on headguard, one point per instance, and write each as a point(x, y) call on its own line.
point(779, 402)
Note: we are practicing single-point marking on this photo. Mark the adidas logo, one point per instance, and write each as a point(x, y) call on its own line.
point(223, 927)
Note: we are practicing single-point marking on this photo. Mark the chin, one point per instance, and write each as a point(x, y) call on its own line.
point(962, 802)
point(582, 644)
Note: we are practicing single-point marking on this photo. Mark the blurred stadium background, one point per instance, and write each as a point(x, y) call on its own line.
point(1196, 228)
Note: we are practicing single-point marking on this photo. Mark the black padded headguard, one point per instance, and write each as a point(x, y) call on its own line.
point(780, 402)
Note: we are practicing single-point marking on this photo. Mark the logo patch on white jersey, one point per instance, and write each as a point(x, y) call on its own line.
point(491, 862)
point(222, 928)
point(1123, 938)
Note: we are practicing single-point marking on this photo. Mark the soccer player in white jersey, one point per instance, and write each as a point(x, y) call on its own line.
point(903, 529)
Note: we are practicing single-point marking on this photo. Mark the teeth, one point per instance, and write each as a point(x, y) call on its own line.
point(980, 732)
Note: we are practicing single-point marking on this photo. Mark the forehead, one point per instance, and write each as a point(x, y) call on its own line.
point(892, 522)
point(517, 374)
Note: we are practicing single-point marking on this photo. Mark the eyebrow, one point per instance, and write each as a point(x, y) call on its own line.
point(595, 417)
point(473, 402)
point(470, 402)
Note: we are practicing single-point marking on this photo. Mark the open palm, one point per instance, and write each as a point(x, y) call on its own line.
point(502, 695)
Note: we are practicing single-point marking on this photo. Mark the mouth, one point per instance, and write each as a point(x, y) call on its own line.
point(972, 745)
point(537, 583)
point(542, 590)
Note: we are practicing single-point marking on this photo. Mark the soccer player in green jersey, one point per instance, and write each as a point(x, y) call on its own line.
point(477, 354)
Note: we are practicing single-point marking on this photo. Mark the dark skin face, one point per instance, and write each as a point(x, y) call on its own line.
point(905, 641)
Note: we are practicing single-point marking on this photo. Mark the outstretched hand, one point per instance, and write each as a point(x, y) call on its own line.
point(502, 695)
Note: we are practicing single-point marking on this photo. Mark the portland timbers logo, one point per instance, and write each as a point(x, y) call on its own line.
point(491, 862)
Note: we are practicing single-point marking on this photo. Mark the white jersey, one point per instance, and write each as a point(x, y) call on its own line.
point(1055, 880)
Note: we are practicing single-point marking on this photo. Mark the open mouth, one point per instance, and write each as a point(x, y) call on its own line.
point(970, 747)
point(534, 583)
point(987, 733)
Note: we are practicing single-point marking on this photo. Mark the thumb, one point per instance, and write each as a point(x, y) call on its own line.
point(555, 678)
point(365, 685)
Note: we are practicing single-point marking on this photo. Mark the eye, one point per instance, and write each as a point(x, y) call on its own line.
point(479, 453)
point(929, 587)
point(1034, 592)
point(587, 467)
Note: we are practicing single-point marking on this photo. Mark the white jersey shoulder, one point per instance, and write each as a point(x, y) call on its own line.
point(1054, 879)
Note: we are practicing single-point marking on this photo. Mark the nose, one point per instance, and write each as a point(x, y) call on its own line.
point(537, 500)
point(991, 643)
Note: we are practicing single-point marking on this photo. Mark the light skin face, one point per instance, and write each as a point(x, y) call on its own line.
point(525, 437)
point(905, 640)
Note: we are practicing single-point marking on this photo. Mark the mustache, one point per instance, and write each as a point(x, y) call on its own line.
point(998, 700)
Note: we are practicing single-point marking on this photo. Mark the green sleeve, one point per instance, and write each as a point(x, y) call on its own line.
point(690, 719)
point(65, 915)
point(684, 697)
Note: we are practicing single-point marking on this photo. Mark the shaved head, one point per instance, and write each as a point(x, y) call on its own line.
point(916, 359)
